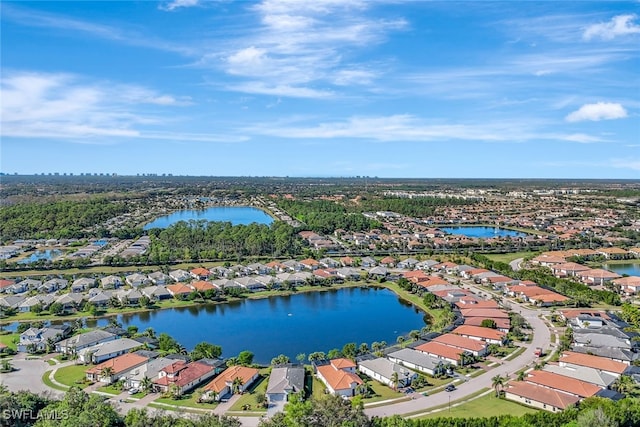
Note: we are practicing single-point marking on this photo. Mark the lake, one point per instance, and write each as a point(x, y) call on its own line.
point(299, 323)
point(233, 214)
point(47, 254)
point(632, 269)
point(482, 232)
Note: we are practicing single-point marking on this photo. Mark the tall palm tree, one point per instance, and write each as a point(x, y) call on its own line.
point(236, 385)
point(395, 380)
point(624, 384)
point(146, 384)
point(497, 383)
point(106, 372)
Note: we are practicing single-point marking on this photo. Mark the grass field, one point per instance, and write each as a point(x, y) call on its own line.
point(10, 340)
point(485, 406)
point(507, 258)
point(110, 389)
point(47, 382)
point(188, 400)
point(72, 375)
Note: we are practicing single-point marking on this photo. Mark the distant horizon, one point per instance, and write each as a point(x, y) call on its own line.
point(545, 90)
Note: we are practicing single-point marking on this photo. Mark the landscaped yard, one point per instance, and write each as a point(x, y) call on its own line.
point(73, 375)
point(248, 399)
point(111, 389)
point(189, 400)
point(10, 340)
point(47, 382)
point(507, 258)
point(485, 406)
point(381, 392)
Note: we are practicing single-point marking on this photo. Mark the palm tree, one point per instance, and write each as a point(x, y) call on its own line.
point(3, 389)
point(236, 385)
point(146, 384)
point(521, 375)
point(174, 390)
point(149, 332)
point(624, 384)
point(395, 380)
point(106, 372)
point(497, 383)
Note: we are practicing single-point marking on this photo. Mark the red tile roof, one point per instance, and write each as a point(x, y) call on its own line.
point(562, 383)
point(591, 361)
point(191, 372)
point(225, 379)
point(550, 397)
point(459, 341)
point(480, 332)
point(442, 350)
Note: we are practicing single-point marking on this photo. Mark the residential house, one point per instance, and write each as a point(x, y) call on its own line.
point(568, 269)
point(251, 284)
point(329, 263)
point(156, 293)
point(223, 385)
point(539, 397)
point(339, 377)
point(576, 387)
point(310, 264)
point(107, 350)
point(202, 286)
point(407, 264)
point(629, 285)
point(602, 364)
point(447, 354)
point(117, 368)
point(43, 301)
point(184, 376)
point(582, 373)
point(613, 253)
point(158, 278)
point(597, 276)
point(488, 335)
point(200, 273)
point(35, 340)
point(180, 275)
point(389, 262)
point(387, 372)
point(129, 296)
point(475, 347)
point(348, 273)
point(179, 290)
point(368, 262)
point(418, 361)
point(71, 301)
point(136, 280)
point(149, 370)
point(85, 340)
point(284, 381)
point(27, 285)
point(53, 285)
point(100, 299)
point(378, 272)
point(83, 284)
point(111, 282)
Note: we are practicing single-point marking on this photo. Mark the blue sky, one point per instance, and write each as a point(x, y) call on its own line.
point(323, 88)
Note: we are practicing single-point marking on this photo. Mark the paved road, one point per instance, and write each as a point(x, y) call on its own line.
point(541, 338)
point(515, 264)
point(28, 376)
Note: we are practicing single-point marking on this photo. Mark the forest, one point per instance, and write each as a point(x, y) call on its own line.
point(58, 219)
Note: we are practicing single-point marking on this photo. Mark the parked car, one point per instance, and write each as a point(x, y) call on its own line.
point(450, 388)
point(133, 391)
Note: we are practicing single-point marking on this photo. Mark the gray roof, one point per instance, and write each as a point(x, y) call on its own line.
point(122, 344)
point(583, 373)
point(385, 367)
point(289, 379)
point(600, 340)
point(416, 357)
point(86, 338)
point(152, 368)
point(611, 353)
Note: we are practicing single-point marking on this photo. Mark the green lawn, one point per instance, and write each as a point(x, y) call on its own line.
point(73, 375)
point(485, 406)
point(10, 340)
point(318, 389)
point(47, 382)
point(249, 397)
point(507, 258)
point(516, 353)
point(189, 400)
point(381, 392)
point(110, 389)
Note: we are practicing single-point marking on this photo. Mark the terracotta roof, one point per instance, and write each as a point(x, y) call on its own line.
point(570, 266)
point(562, 383)
point(6, 282)
point(499, 279)
point(309, 261)
point(627, 281)
point(191, 372)
point(477, 321)
point(570, 314)
point(119, 364)
point(554, 398)
point(487, 313)
point(459, 341)
point(337, 378)
point(472, 302)
point(202, 285)
point(599, 273)
point(225, 379)
point(442, 350)
point(179, 288)
point(200, 271)
point(614, 250)
point(596, 362)
point(343, 363)
point(480, 332)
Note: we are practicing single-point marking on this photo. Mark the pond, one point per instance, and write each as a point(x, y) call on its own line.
point(233, 214)
point(47, 254)
point(482, 232)
point(631, 268)
point(299, 323)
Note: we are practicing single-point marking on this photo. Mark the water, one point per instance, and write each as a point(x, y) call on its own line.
point(482, 232)
point(234, 214)
point(47, 254)
point(632, 269)
point(300, 323)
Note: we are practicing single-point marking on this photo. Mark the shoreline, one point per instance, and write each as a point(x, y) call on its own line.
point(256, 296)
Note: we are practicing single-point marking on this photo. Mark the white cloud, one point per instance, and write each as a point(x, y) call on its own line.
point(177, 4)
point(302, 49)
point(582, 138)
point(620, 25)
point(598, 111)
point(633, 164)
point(66, 106)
